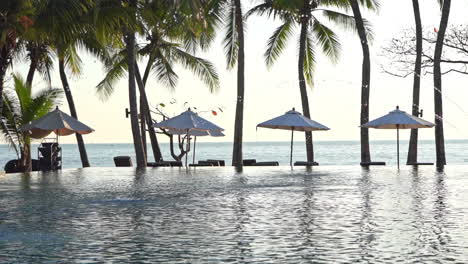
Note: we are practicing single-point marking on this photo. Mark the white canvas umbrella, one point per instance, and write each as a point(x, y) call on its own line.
point(189, 123)
point(293, 121)
point(398, 119)
point(57, 122)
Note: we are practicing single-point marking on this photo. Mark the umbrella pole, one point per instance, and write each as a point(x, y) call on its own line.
point(398, 145)
point(290, 156)
point(194, 147)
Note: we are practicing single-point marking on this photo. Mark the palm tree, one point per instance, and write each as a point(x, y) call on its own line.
point(366, 70)
point(413, 143)
point(21, 106)
point(130, 42)
point(234, 47)
point(170, 37)
point(306, 15)
point(439, 124)
point(14, 21)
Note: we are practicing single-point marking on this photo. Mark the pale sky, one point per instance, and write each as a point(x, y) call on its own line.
point(334, 101)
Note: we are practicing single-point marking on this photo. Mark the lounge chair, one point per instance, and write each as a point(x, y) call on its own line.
point(306, 163)
point(217, 162)
point(123, 161)
point(172, 163)
point(249, 162)
point(266, 163)
point(419, 163)
point(378, 163)
point(201, 165)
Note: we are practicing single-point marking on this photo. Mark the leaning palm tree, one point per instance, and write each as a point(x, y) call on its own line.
point(308, 15)
point(21, 106)
point(62, 28)
point(439, 128)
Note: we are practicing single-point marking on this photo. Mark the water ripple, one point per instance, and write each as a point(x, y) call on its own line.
point(262, 215)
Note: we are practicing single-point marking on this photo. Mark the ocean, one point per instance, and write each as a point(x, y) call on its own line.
point(337, 153)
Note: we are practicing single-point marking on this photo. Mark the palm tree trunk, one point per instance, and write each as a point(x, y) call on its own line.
point(142, 116)
point(31, 71)
point(439, 128)
point(303, 88)
point(4, 62)
point(130, 43)
point(238, 125)
point(365, 86)
point(147, 115)
point(413, 143)
point(71, 105)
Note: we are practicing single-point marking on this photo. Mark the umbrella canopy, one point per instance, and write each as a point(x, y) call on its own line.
point(58, 122)
point(188, 120)
point(398, 119)
point(196, 133)
point(294, 121)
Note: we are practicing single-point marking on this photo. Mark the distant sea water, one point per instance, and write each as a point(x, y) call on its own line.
point(326, 152)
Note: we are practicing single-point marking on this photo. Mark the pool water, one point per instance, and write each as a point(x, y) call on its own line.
point(211, 215)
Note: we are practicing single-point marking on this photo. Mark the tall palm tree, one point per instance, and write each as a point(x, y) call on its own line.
point(234, 48)
point(307, 14)
point(14, 21)
point(413, 143)
point(439, 124)
point(366, 70)
point(21, 106)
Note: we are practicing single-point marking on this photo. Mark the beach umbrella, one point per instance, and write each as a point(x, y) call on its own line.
point(294, 121)
point(189, 123)
point(398, 119)
point(58, 122)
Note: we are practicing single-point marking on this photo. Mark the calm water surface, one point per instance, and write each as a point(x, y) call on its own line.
point(326, 152)
point(210, 215)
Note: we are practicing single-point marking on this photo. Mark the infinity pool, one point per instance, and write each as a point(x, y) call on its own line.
point(211, 215)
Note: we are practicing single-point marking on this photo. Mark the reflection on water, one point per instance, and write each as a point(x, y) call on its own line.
point(327, 214)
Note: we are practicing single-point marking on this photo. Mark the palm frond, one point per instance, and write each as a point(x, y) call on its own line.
point(204, 69)
point(373, 5)
point(277, 42)
point(309, 61)
point(231, 42)
point(347, 22)
point(115, 71)
point(72, 60)
point(327, 39)
point(163, 69)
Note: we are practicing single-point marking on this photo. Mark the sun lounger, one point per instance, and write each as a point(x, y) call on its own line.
point(217, 162)
point(123, 161)
point(266, 163)
point(171, 163)
point(249, 162)
point(201, 165)
point(306, 163)
point(378, 163)
point(419, 163)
